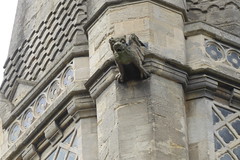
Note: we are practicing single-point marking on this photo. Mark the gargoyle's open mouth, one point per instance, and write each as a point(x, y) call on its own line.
point(119, 50)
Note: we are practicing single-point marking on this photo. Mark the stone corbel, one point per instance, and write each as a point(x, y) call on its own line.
point(81, 108)
point(30, 153)
point(53, 133)
point(201, 86)
point(235, 99)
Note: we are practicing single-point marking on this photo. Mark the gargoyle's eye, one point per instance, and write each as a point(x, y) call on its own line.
point(123, 41)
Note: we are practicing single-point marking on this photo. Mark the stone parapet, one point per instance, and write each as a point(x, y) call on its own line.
point(223, 14)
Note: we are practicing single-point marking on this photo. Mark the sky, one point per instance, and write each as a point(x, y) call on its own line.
point(7, 15)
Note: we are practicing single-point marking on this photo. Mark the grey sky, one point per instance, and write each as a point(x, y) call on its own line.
point(7, 14)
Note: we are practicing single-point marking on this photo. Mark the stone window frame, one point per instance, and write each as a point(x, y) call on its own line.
point(72, 129)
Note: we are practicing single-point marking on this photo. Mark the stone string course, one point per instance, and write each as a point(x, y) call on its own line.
point(51, 38)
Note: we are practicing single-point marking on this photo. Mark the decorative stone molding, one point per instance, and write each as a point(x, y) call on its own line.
point(202, 28)
point(223, 53)
point(40, 104)
point(30, 152)
point(81, 108)
point(47, 42)
point(235, 99)
point(53, 133)
point(201, 86)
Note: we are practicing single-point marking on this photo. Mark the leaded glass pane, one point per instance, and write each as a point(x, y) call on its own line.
point(236, 151)
point(41, 105)
point(236, 126)
point(51, 156)
point(27, 119)
point(68, 77)
point(226, 157)
point(62, 154)
point(14, 132)
point(233, 58)
point(217, 144)
point(226, 135)
point(68, 139)
point(75, 142)
point(214, 51)
point(71, 156)
point(216, 119)
point(225, 112)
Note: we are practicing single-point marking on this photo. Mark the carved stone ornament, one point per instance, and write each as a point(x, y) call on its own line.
point(129, 57)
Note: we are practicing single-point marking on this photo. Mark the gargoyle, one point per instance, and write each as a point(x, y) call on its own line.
point(129, 58)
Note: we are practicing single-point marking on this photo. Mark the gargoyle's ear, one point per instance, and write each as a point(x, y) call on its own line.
point(111, 39)
point(124, 36)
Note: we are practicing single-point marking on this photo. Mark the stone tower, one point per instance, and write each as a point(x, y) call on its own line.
point(60, 99)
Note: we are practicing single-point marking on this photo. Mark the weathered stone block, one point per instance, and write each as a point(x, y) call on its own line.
point(139, 118)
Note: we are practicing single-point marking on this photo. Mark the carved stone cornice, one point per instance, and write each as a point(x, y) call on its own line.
point(202, 28)
point(201, 86)
point(235, 99)
point(53, 133)
point(30, 152)
point(81, 108)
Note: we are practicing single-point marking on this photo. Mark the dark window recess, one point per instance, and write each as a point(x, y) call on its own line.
point(225, 112)
point(236, 126)
point(217, 144)
point(226, 157)
point(226, 135)
point(236, 151)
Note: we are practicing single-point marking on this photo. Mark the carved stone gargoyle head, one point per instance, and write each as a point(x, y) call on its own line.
point(129, 58)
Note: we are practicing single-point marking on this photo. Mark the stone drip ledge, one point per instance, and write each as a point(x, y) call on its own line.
point(76, 51)
point(42, 135)
point(196, 28)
